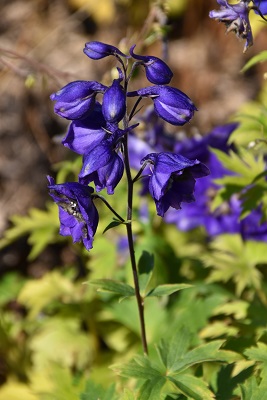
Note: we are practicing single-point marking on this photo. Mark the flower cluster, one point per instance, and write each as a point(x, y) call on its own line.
point(236, 17)
point(100, 131)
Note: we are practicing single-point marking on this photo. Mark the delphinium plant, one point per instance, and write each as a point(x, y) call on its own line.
point(99, 130)
point(208, 237)
point(104, 120)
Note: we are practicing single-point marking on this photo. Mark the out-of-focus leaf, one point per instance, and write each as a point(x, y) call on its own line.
point(41, 226)
point(16, 391)
point(258, 58)
point(250, 390)
point(217, 329)
point(145, 270)
point(258, 353)
point(62, 341)
point(10, 285)
point(238, 308)
point(231, 258)
point(94, 391)
point(37, 293)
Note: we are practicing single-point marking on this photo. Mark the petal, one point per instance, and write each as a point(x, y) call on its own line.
point(87, 133)
point(114, 102)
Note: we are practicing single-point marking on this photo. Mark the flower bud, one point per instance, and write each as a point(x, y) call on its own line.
point(157, 71)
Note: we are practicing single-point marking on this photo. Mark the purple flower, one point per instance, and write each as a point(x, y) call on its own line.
point(98, 50)
point(157, 71)
point(198, 147)
point(77, 212)
point(170, 103)
point(114, 102)
point(76, 99)
point(173, 179)
point(103, 164)
point(261, 5)
point(235, 17)
point(83, 135)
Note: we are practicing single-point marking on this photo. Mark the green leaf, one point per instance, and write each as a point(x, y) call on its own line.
point(38, 293)
point(112, 225)
point(258, 58)
point(167, 289)
point(250, 390)
point(111, 286)
point(203, 353)
point(128, 395)
point(258, 353)
point(231, 258)
point(145, 270)
point(41, 226)
point(151, 389)
point(61, 341)
point(170, 351)
point(140, 368)
point(94, 391)
point(192, 387)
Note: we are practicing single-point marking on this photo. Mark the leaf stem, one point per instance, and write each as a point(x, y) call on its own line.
point(98, 196)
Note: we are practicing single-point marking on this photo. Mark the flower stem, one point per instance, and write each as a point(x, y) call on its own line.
point(139, 299)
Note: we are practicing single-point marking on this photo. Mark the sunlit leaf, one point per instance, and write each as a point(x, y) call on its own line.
point(94, 391)
point(111, 286)
point(41, 226)
point(167, 289)
point(192, 387)
point(151, 389)
point(37, 293)
point(259, 58)
point(145, 270)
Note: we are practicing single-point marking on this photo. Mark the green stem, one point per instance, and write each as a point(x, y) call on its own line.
point(139, 299)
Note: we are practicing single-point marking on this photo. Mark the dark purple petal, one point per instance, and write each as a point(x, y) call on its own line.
point(114, 102)
point(77, 213)
point(83, 135)
point(77, 99)
point(103, 165)
point(262, 5)
point(173, 179)
point(98, 50)
point(110, 175)
point(170, 104)
point(157, 71)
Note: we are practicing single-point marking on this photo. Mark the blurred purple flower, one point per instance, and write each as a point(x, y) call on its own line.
point(173, 179)
point(261, 5)
point(170, 104)
point(77, 213)
point(77, 99)
point(236, 19)
point(157, 71)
